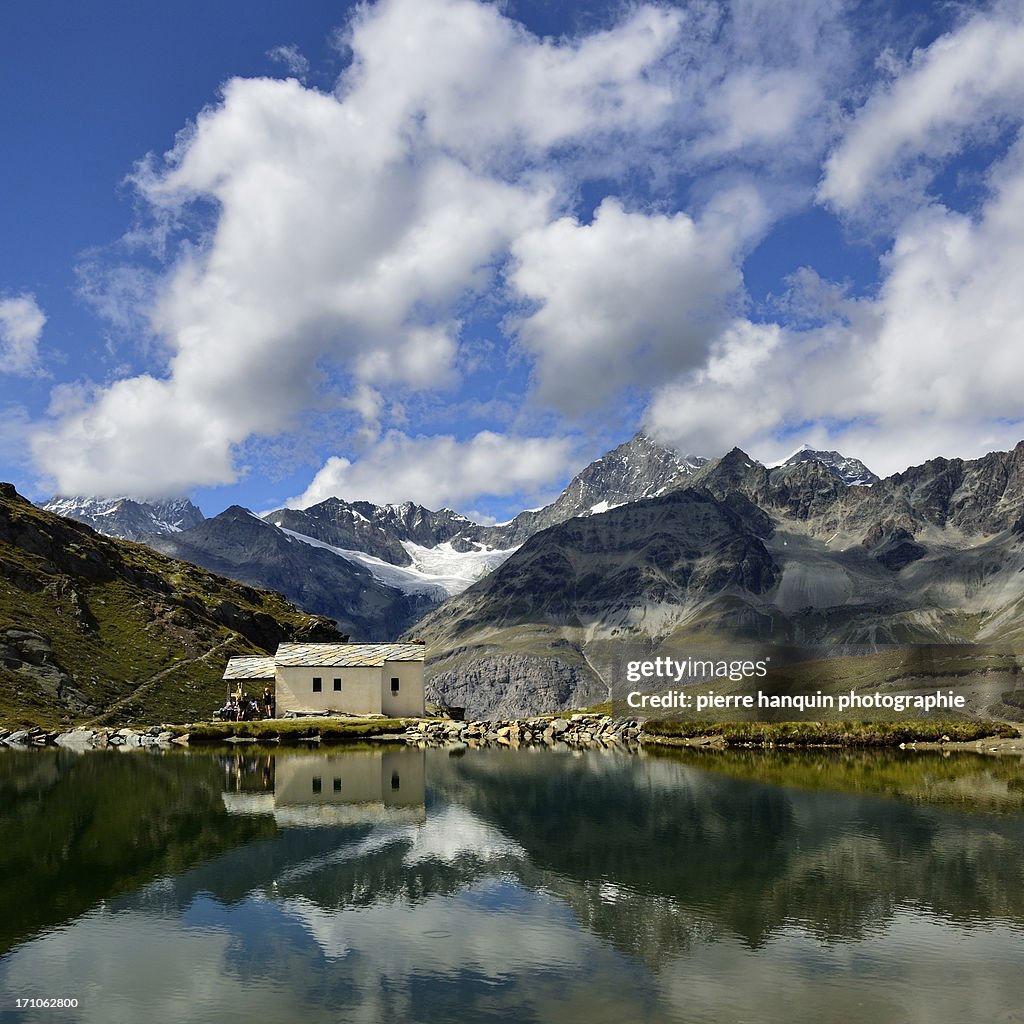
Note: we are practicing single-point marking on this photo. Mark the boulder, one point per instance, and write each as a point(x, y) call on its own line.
point(76, 739)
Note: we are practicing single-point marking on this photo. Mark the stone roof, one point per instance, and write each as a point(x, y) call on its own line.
point(347, 655)
point(250, 668)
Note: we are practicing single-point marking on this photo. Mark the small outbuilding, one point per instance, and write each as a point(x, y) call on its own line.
point(354, 679)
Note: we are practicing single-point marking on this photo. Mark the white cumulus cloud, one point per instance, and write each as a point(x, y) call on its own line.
point(624, 300)
point(963, 85)
point(441, 470)
point(932, 364)
point(21, 326)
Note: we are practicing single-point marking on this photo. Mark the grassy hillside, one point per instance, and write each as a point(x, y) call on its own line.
point(92, 627)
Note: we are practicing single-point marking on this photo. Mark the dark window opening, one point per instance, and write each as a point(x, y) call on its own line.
point(318, 684)
point(337, 785)
point(337, 685)
point(318, 784)
point(396, 782)
point(394, 684)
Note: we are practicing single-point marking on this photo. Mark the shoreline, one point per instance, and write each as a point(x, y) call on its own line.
point(576, 731)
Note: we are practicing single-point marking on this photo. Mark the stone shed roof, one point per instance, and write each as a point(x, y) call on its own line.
point(250, 668)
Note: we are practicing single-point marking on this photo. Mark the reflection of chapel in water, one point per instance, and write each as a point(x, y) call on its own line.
point(328, 789)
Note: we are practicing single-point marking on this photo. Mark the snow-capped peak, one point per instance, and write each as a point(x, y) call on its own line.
point(129, 518)
point(790, 458)
point(850, 471)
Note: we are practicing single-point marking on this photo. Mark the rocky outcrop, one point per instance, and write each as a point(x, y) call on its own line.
point(83, 739)
point(515, 684)
point(29, 658)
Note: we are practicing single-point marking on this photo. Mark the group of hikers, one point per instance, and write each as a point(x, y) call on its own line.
point(241, 707)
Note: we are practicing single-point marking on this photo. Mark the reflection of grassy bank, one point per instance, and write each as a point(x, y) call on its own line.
point(271, 748)
point(295, 730)
point(823, 734)
point(963, 779)
point(79, 830)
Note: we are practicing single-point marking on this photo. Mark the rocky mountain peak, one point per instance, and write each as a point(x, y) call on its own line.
point(238, 513)
point(735, 472)
point(849, 471)
point(125, 517)
point(638, 468)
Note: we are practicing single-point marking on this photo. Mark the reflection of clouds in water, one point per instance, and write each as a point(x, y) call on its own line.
point(498, 949)
point(133, 967)
point(454, 832)
point(445, 935)
point(913, 971)
point(445, 959)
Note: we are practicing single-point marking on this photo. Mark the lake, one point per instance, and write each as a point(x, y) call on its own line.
point(497, 885)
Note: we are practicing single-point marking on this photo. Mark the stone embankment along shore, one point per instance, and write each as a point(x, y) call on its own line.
point(577, 731)
point(595, 730)
point(580, 730)
point(89, 739)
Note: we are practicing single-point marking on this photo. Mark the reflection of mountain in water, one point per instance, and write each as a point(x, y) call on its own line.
point(655, 856)
point(75, 830)
point(355, 829)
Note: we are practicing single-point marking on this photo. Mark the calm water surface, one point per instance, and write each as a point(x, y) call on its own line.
point(506, 885)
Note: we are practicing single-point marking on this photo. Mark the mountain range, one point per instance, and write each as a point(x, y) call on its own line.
point(128, 518)
point(375, 569)
point(740, 554)
point(650, 551)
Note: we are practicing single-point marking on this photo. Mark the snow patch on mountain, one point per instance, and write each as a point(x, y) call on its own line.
point(603, 506)
point(439, 572)
point(444, 562)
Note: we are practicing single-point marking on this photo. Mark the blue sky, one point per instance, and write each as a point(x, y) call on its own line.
point(450, 251)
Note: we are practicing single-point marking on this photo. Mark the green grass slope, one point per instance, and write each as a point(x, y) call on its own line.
point(97, 628)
